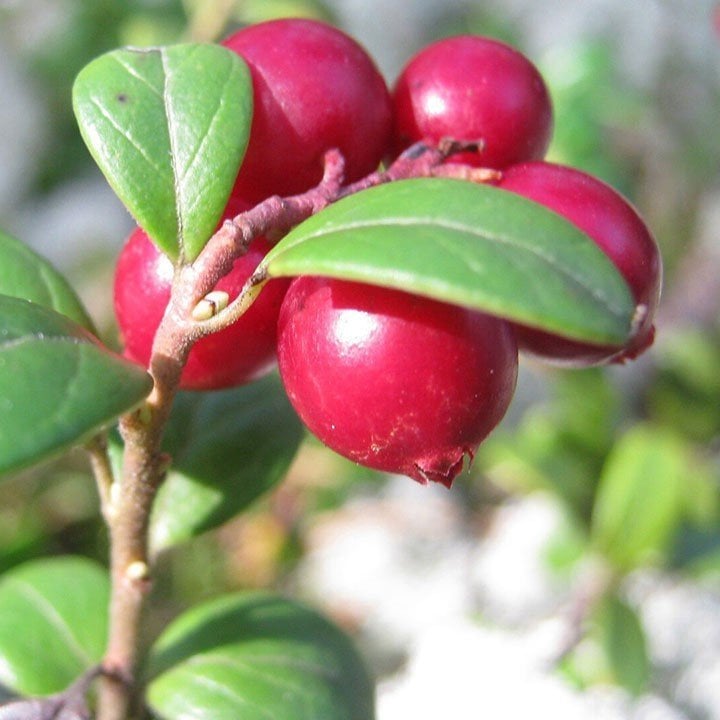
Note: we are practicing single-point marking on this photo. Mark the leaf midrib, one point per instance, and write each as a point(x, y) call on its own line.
point(167, 107)
point(43, 338)
point(488, 237)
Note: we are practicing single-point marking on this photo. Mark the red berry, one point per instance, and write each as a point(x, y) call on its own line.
point(233, 356)
point(604, 215)
point(470, 88)
point(315, 89)
point(394, 381)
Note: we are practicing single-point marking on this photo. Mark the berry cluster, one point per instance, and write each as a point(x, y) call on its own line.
point(390, 380)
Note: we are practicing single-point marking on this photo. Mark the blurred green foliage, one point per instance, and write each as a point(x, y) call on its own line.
point(594, 109)
point(85, 29)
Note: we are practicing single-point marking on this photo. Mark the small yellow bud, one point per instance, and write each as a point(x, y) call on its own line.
point(137, 570)
point(213, 303)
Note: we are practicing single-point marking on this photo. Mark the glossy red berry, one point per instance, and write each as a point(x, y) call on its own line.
point(233, 356)
point(619, 231)
point(471, 88)
point(394, 381)
point(315, 89)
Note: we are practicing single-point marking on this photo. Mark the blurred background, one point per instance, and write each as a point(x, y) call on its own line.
point(576, 569)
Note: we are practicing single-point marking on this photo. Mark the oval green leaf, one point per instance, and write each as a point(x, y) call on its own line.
point(623, 641)
point(168, 127)
point(58, 384)
point(639, 501)
point(228, 448)
point(468, 244)
point(256, 656)
point(53, 623)
point(24, 274)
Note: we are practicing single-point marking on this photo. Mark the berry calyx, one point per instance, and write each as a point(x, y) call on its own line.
point(618, 230)
point(394, 381)
point(315, 89)
point(233, 356)
point(474, 88)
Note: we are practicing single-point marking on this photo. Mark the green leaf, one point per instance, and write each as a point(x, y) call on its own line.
point(256, 656)
point(685, 392)
point(53, 623)
point(586, 410)
point(24, 274)
point(58, 384)
point(623, 640)
point(639, 501)
point(168, 127)
point(228, 448)
point(469, 244)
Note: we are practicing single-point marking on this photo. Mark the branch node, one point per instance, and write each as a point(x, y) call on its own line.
point(415, 151)
point(450, 146)
point(210, 305)
point(333, 171)
point(459, 171)
point(116, 674)
point(137, 571)
point(638, 318)
point(113, 500)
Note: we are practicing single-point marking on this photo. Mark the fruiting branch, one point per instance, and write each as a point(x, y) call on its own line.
point(144, 467)
point(144, 464)
point(276, 216)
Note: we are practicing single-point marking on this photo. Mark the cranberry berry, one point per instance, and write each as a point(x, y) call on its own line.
point(394, 381)
point(474, 88)
point(619, 231)
point(233, 356)
point(315, 89)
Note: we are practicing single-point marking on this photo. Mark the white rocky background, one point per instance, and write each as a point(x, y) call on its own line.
point(476, 621)
point(474, 624)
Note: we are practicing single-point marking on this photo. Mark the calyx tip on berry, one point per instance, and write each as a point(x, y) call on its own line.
point(346, 358)
point(441, 470)
point(618, 230)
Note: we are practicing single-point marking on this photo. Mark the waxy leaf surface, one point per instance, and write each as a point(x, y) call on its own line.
point(256, 656)
point(469, 244)
point(58, 384)
point(24, 274)
point(168, 126)
point(53, 623)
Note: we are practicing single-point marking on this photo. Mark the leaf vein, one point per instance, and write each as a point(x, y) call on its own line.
point(134, 73)
point(270, 679)
point(55, 620)
point(204, 139)
point(223, 689)
point(60, 410)
point(169, 115)
point(25, 339)
point(500, 239)
point(123, 132)
point(534, 280)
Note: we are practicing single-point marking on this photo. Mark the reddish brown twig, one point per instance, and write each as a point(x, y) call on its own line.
point(129, 501)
